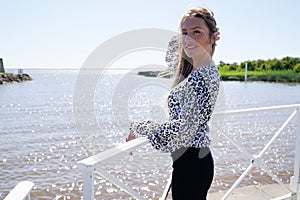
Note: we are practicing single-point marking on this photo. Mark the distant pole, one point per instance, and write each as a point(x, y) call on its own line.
point(1, 66)
point(246, 71)
point(20, 71)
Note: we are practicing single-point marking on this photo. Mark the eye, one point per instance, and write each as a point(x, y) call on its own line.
point(184, 33)
point(197, 32)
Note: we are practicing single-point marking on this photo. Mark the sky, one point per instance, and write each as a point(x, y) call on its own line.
point(63, 33)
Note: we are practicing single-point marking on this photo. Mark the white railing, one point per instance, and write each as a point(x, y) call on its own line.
point(21, 191)
point(92, 165)
point(256, 161)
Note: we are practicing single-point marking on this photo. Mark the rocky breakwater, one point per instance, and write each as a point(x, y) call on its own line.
point(13, 78)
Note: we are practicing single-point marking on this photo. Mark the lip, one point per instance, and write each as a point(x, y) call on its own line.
point(189, 47)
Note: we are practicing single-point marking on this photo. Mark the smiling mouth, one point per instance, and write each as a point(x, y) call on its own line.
point(191, 47)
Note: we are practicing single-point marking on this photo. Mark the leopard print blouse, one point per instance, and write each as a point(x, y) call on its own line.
point(190, 104)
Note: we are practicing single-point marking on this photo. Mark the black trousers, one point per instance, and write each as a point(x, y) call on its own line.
point(193, 171)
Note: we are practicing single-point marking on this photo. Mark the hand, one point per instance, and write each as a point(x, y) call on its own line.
point(130, 137)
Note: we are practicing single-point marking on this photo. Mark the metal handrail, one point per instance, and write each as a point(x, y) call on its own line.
point(21, 191)
point(257, 160)
point(92, 165)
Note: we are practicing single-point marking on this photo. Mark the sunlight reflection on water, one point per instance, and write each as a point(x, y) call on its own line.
point(41, 143)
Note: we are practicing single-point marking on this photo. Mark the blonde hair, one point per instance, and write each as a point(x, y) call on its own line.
point(185, 65)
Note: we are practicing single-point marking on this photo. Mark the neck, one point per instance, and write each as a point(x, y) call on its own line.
point(202, 62)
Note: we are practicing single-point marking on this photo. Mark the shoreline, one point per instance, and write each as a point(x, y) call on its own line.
point(265, 77)
point(13, 78)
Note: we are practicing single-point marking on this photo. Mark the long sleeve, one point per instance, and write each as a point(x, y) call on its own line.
point(190, 106)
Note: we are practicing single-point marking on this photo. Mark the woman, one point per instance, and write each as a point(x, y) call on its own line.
point(191, 102)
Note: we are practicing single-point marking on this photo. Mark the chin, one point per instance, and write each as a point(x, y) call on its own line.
point(190, 53)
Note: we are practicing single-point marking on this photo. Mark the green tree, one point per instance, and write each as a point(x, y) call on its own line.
point(297, 68)
point(259, 65)
point(242, 65)
point(288, 63)
point(226, 67)
point(234, 66)
point(276, 64)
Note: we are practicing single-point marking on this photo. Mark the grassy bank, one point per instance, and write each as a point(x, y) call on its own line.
point(284, 76)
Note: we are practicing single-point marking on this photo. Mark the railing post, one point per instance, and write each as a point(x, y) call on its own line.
point(88, 181)
point(295, 178)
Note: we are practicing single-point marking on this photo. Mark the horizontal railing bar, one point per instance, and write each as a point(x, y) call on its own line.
point(96, 159)
point(257, 109)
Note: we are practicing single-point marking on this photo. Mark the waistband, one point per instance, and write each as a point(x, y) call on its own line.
point(190, 152)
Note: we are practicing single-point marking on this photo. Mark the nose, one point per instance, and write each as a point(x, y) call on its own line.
point(187, 38)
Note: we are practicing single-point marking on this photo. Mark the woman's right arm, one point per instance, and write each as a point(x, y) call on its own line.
point(195, 112)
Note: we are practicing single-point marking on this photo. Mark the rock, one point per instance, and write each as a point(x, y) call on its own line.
point(11, 78)
point(26, 77)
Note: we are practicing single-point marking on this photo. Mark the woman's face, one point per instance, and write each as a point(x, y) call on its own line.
point(195, 40)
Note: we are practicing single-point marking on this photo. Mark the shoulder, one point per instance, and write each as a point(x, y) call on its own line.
point(207, 71)
point(204, 77)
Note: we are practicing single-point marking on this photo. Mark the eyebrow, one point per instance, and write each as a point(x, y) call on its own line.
point(196, 27)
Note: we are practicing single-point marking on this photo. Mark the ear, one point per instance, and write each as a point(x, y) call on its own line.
point(211, 40)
